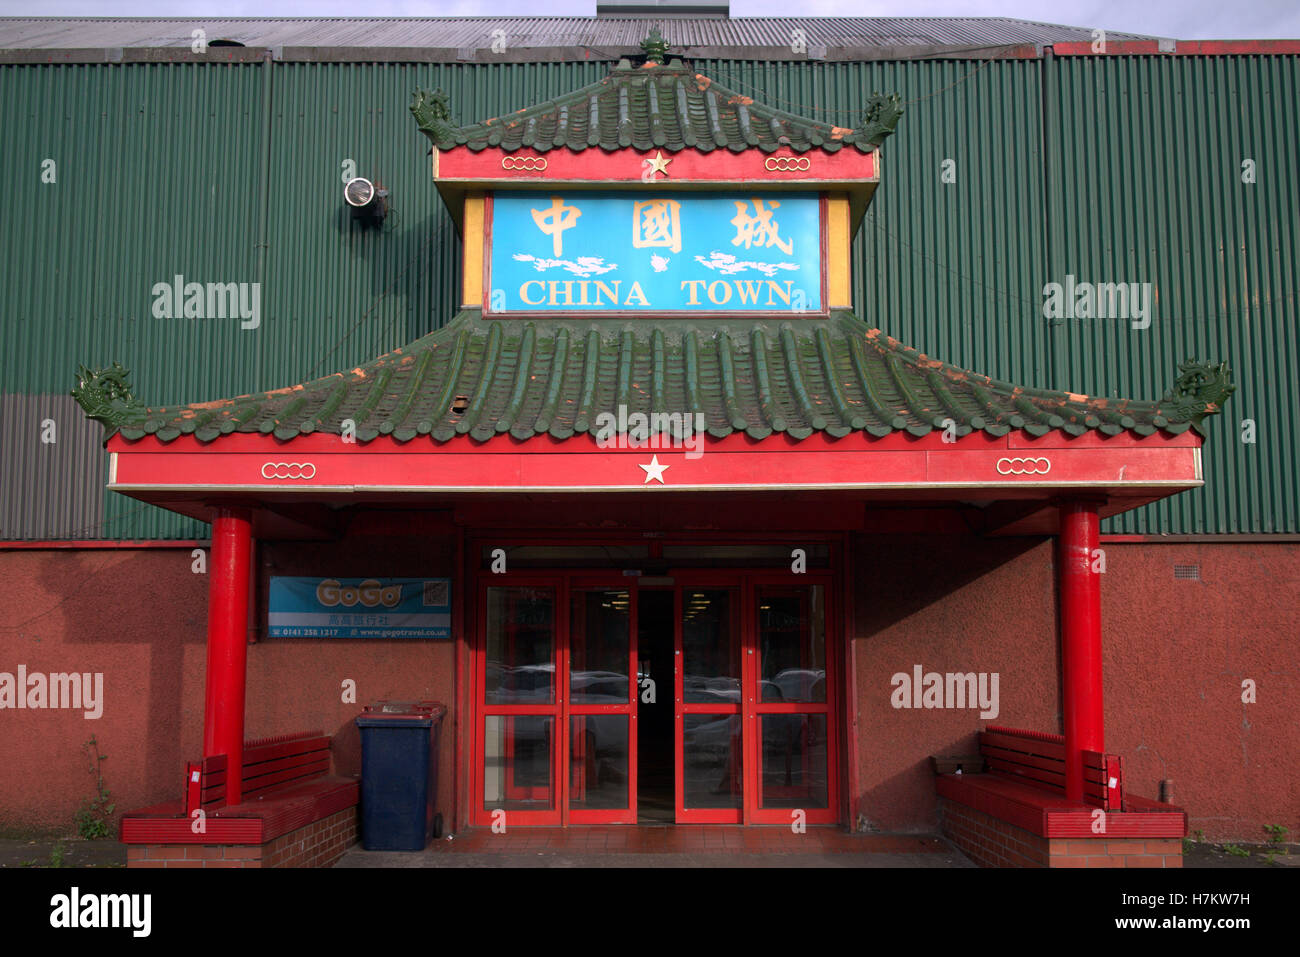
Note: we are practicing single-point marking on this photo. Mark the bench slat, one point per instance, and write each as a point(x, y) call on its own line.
point(1025, 760)
point(270, 765)
point(283, 749)
point(214, 778)
point(1042, 778)
point(302, 773)
point(279, 764)
point(1026, 745)
point(1094, 763)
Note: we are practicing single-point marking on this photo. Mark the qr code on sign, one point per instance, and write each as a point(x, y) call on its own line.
point(436, 594)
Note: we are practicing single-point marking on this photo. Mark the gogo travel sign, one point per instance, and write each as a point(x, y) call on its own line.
point(641, 252)
point(359, 608)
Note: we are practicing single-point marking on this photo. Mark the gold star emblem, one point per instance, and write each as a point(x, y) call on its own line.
point(658, 164)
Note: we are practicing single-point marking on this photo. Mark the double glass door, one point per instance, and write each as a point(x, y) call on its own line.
point(563, 698)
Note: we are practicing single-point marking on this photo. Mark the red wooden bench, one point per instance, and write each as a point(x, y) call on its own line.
point(1038, 759)
point(286, 785)
point(270, 764)
point(1019, 777)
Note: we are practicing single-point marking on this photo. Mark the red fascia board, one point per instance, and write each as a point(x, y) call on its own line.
point(318, 442)
point(983, 465)
point(1237, 47)
point(1182, 48)
point(324, 464)
point(524, 168)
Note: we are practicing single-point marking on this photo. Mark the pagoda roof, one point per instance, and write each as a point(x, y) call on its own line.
point(655, 106)
point(482, 378)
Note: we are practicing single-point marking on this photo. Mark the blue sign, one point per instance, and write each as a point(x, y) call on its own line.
point(360, 608)
point(655, 252)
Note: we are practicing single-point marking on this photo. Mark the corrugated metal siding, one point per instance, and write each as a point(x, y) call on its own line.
point(475, 33)
point(157, 174)
point(949, 269)
point(46, 440)
point(161, 171)
point(1146, 186)
point(339, 295)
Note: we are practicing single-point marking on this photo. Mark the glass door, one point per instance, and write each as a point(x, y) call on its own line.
point(709, 733)
point(558, 684)
point(518, 745)
point(755, 732)
point(788, 698)
point(600, 704)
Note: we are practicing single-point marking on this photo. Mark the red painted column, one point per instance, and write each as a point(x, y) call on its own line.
point(1080, 589)
point(223, 711)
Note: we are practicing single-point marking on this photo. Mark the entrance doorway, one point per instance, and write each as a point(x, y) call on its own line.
point(656, 794)
point(706, 697)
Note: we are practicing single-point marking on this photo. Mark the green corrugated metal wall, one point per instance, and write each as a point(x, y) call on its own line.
point(1146, 186)
point(1123, 168)
point(951, 269)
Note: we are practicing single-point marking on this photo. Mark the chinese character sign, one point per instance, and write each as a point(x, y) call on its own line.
point(555, 220)
point(644, 252)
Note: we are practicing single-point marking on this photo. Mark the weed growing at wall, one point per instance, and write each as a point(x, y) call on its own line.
point(1276, 842)
point(95, 816)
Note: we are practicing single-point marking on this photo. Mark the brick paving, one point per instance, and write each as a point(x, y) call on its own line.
point(673, 846)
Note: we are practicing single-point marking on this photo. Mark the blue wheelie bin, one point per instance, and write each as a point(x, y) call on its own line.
point(399, 774)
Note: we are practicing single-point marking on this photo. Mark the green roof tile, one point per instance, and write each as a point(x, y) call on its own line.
point(530, 377)
point(654, 107)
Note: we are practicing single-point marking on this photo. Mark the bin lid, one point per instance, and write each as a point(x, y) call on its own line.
point(387, 706)
point(419, 714)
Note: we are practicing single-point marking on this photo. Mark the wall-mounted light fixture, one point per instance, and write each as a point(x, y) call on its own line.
point(368, 200)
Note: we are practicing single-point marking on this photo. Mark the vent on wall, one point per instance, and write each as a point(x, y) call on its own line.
point(1189, 572)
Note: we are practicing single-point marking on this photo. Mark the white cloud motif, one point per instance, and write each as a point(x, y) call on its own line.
point(660, 263)
point(729, 265)
point(584, 266)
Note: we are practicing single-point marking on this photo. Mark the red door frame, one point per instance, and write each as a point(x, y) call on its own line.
point(840, 747)
point(563, 585)
point(717, 580)
point(757, 708)
point(576, 583)
point(480, 815)
point(745, 585)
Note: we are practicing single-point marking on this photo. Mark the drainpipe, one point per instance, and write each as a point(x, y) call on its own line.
point(223, 709)
point(1080, 594)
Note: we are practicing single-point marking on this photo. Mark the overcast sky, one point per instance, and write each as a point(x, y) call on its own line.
point(1181, 19)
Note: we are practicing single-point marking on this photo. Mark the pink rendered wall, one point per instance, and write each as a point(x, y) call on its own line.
point(140, 617)
point(1175, 655)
